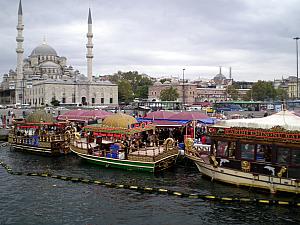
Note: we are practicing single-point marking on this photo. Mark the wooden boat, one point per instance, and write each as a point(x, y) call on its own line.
point(40, 134)
point(261, 153)
point(117, 143)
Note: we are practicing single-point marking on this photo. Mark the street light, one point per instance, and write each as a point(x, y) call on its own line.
point(297, 88)
point(183, 94)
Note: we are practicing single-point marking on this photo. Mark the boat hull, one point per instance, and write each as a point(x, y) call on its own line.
point(248, 179)
point(159, 165)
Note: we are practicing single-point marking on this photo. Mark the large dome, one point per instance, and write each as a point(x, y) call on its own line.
point(43, 50)
point(119, 120)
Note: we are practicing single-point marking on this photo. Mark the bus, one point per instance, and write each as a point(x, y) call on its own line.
point(239, 106)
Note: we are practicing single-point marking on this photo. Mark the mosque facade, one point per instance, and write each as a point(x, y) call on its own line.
point(44, 76)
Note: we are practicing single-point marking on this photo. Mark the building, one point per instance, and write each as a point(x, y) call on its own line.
point(44, 76)
point(189, 91)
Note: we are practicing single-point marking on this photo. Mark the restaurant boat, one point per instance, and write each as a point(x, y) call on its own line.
point(39, 133)
point(121, 142)
point(259, 153)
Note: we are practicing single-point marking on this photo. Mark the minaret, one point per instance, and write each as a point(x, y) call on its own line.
point(89, 46)
point(220, 69)
point(20, 52)
point(230, 76)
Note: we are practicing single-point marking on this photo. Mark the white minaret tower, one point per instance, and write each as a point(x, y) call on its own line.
point(89, 46)
point(20, 51)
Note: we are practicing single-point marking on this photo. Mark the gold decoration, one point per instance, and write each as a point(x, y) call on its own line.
point(169, 144)
point(214, 160)
point(245, 166)
point(282, 171)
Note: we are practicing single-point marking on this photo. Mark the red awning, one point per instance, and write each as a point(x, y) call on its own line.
point(159, 115)
point(83, 115)
point(189, 115)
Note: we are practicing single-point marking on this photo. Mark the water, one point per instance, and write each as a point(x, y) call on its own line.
point(38, 200)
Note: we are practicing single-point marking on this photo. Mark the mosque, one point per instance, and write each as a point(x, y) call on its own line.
point(44, 76)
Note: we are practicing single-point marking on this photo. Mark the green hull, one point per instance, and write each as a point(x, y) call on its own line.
point(129, 164)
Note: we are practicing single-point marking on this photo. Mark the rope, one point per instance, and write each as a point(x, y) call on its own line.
point(160, 191)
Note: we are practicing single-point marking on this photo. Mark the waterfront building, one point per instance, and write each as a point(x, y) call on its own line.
point(45, 76)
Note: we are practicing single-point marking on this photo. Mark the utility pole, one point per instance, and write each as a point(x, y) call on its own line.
point(297, 88)
point(183, 94)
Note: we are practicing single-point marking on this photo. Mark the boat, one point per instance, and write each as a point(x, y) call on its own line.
point(260, 153)
point(121, 142)
point(39, 133)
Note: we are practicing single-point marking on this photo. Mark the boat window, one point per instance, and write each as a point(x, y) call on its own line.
point(263, 153)
point(296, 157)
point(282, 155)
point(247, 151)
point(222, 148)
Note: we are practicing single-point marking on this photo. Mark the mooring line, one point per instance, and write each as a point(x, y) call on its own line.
point(161, 191)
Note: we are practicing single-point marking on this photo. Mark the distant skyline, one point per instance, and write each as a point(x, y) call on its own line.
point(160, 38)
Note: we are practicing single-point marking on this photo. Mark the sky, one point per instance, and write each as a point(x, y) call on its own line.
point(161, 37)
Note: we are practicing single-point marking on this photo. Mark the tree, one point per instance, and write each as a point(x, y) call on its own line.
point(55, 102)
point(232, 92)
point(139, 84)
point(262, 91)
point(164, 80)
point(125, 91)
point(169, 94)
point(281, 94)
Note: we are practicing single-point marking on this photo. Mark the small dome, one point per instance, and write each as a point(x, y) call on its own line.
point(65, 77)
point(44, 50)
point(39, 116)
point(219, 77)
point(49, 64)
point(119, 120)
point(45, 76)
point(81, 77)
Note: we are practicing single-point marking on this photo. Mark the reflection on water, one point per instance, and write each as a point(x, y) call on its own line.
point(36, 200)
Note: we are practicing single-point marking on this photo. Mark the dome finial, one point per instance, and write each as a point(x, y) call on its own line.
point(44, 40)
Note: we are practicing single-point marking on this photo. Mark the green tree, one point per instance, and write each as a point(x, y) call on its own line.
point(281, 94)
point(164, 80)
point(139, 84)
point(262, 91)
point(125, 91)
point(232, 92)
point(169, 94)
point(55, 102)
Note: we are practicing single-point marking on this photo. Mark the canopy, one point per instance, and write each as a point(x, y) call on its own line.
point(286, 119)
point(136, 128)
point(159, 115)
point(188, 115)
point(39, 116)
point(83, 115)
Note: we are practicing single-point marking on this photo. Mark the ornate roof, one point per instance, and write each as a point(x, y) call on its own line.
point(43, 50)
point(119, 120)
point(39, 116)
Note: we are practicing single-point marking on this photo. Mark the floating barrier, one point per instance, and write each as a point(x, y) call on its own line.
point(157, 190)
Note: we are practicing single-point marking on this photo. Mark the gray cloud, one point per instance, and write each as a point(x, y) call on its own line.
point(161, 37)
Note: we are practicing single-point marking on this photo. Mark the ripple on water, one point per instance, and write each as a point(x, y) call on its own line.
point(36, 200)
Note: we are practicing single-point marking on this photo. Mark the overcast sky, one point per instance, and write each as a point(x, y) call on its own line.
point(161, 37)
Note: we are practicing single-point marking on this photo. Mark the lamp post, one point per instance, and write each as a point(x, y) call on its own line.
point(183, 94)
point(297, 88)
